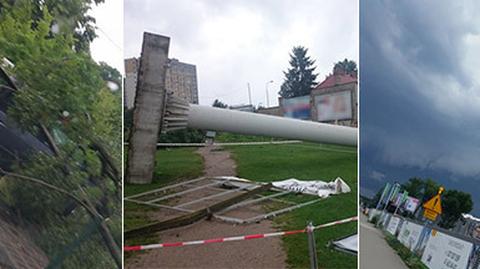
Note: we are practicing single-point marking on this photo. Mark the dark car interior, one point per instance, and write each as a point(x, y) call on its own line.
point(15, 144)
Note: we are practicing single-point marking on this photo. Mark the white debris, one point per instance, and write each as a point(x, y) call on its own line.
point(314, 187)
point(350, 243)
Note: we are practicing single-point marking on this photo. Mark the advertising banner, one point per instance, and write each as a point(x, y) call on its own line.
point(409, 234)
point(411, 204)
point(297, 108)
point(446, 252)
point(393, 225)
point(386, 189)
point(334, 106)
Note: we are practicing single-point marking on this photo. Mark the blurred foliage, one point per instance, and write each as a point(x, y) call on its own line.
point(219, 104)
point(70, 16)
point(224, 137)
point(347, 66)
point(109, 73)
point(63, 89)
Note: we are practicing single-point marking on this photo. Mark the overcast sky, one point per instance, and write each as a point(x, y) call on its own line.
point(420, 93)
point(233, 43)
point(108, 46)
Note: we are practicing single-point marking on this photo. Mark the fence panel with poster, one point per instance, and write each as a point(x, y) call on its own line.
point(297, 108)
point(446, 252)
point(409, 234)
point(393, 225)
point(334, 106)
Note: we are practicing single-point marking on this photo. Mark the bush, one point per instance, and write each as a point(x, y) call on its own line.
point(182, 136)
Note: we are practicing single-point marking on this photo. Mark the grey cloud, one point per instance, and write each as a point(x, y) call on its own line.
point(252, 40)
point(421, 102)
point(379, 176)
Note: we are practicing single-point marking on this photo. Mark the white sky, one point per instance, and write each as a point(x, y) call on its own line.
point(108, 46)
point(233, 43)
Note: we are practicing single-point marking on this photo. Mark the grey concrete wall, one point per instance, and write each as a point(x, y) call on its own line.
point(148, 111)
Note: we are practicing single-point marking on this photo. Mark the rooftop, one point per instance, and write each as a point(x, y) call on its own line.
point(337, 78)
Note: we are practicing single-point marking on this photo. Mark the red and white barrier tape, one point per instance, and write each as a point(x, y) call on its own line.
point(336, 222)
point(234, 238)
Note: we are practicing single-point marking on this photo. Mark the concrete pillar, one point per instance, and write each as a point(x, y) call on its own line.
point(149, 108)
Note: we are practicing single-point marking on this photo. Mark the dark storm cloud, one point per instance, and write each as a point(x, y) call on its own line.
point(420, 94)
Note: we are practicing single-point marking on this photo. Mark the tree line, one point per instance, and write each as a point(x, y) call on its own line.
point(454, 202)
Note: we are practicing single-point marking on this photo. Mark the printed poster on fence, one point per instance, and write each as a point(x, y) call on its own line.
point(446, 252)
point(393, 225)
point(409, 234)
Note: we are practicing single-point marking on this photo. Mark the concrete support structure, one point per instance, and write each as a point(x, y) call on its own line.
point(149, 108)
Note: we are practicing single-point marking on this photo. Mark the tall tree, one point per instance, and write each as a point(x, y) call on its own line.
point(347, 66)
point(454, 203)
point(300, 77)
point(220, 104)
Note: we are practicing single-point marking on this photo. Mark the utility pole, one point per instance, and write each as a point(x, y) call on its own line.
point(249, 94)
point(266, 91)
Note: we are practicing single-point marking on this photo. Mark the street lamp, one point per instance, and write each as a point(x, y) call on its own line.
point(266, 91)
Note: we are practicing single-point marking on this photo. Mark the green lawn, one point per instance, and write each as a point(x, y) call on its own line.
point(307, 161)
point(171, 165)
point(276, 162)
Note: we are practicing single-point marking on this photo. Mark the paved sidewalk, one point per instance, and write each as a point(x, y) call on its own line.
point(375, 253)
point(17, 249)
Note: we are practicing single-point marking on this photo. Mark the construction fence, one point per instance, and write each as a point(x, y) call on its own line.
point(437, 247)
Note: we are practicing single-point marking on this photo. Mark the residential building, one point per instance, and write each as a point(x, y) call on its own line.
point(130, 82)
point(181, 80)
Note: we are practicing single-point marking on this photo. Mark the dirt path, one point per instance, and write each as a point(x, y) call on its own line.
point(258, 253)
point(16, 247)
point(217, 162)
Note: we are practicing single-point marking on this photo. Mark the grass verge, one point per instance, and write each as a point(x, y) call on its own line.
point(307, 161)
point(410, 259)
